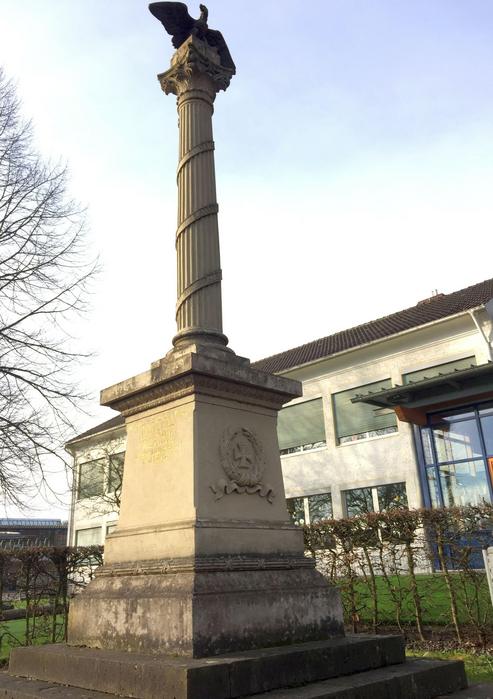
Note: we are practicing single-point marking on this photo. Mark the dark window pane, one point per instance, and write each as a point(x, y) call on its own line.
point(392, 497)
point(464, 484)
point(91, 479)
point(320, 507)
point(301, 427)
point(358, 501)
point(115, 472)
point(296, 509)
point(457, 440)
point(487, 427)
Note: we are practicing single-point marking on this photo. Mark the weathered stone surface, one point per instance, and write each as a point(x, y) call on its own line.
point(225, 677)
point(200, 614)
point(205, 559)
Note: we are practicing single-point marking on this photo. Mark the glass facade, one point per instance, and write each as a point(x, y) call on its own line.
point(458, 456)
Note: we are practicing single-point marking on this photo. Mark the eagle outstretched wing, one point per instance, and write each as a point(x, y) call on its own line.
point(175, 19)
point(216, 39)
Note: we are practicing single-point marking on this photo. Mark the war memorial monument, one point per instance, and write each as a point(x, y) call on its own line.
point(205, 592)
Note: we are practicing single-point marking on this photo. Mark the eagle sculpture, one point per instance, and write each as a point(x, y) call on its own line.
point(175, 19)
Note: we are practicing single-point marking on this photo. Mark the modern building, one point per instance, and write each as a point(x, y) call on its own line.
point(397, 412)
point(30, 533)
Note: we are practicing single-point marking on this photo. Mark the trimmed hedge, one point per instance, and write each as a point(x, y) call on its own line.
point(43, 579)
point(409, 568)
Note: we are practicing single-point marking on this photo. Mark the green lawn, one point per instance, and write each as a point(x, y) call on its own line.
point(12, 633)
point(434, 595)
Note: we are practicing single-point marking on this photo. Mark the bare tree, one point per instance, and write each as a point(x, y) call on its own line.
point(44, 273)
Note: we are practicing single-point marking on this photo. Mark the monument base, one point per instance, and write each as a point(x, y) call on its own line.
point(201, 608)
point(357, 667)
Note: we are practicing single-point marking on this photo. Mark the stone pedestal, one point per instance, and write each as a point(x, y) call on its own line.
point(204, 559)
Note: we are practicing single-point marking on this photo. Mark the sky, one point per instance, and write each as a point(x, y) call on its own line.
point(354, 156)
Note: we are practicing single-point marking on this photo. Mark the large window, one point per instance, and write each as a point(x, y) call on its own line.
point(310, 509)
point(301, 427)
point(88, 537)
point(433, 371)
point(457, 447)
point(91, 479)
point(101, 476)
point(355, 421)
point(115, 472)
point(361, 501)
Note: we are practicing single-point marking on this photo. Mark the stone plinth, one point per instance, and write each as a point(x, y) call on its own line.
point(204, 559)
point(358, 667)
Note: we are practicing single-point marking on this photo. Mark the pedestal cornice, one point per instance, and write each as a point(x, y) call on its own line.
point(184, 374)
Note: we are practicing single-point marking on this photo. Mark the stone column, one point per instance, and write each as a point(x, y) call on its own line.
point(195, 77)
point(205, 559)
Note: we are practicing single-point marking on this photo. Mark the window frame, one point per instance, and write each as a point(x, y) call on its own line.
point(453, 414)
point(360, 436)
point(374, 497)
point(102, 462)
point(112, 457)
point(308, 447)
point(106, 462)
point(85, 529)
point(306, 505)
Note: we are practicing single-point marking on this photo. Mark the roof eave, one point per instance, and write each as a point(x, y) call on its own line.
point(77, 440)
point(379, 340)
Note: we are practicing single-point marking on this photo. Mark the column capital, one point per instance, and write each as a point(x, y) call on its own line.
point(195, 65)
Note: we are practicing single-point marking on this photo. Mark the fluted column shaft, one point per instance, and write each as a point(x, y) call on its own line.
point(195, 77)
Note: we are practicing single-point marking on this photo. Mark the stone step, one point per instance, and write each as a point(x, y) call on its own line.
point(20, 688)
point(222, 677)
point(478, 691)
point(417, 679)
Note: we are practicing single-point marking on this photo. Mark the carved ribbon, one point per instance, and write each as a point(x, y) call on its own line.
point(224, 487)
point(197, 285)
point(196, 216)
point(205, 147)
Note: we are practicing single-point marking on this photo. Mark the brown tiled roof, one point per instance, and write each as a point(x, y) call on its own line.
point(116, 421)
point(427, 311)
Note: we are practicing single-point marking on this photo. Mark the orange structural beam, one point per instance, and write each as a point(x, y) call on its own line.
point(412, 415)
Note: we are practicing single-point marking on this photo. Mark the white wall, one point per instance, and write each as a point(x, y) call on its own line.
point(370, 462)
point(94, 512)
point(378, 460)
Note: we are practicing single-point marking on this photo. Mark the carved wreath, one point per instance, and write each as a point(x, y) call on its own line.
point(242, 460)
